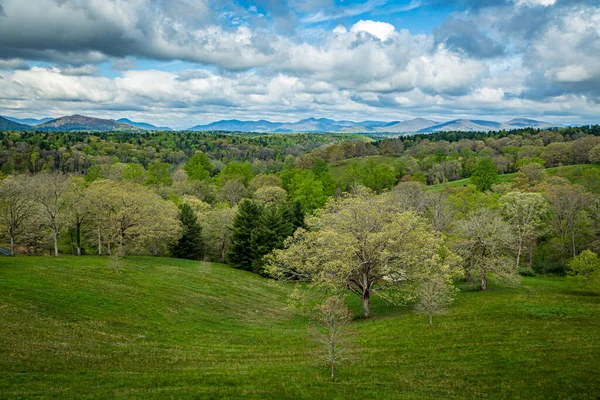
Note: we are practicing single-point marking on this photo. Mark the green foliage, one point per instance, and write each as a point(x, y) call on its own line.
point(134, 173)
point(585, 270)
point(242, 252)
point(198, 167)
point(190, 245)
point(484, 175)
point(526, 271)
point(94, 173)
point(240, 171)
point(307, 189)
point(377, 177)
point(158, 174)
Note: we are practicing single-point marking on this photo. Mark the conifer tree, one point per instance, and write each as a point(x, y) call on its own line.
point(190, 245)
point(242, 251)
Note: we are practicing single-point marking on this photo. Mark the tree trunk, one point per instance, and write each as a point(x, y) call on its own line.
point(519, 249)
point(108, 249)
point(99, 243)
point(12, 245)
point(366, 303)
point(430, 319)
point(55, 237)
point(573, 242)
point(483, 281)
point(78, 234)
point(332, 372)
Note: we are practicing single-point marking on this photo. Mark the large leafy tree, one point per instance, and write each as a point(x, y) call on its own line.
point(362, 244)
point(198, 167)
point(15, 205)
point(190, 245)
point(525, 212)
point(484, 174)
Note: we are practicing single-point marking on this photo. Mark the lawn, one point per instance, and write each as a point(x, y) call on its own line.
point(571, 172)
point(166, 328)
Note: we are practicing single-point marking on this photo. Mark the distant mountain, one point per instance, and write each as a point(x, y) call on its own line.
point(144, 125)
point(464, 125)
point(412, 125)
point(81, 123)
point(8, 125)
point(29, 121)
point(529, 123)
point(235, 125)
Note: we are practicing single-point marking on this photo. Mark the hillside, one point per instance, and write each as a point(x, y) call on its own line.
point(570, 172)
point(82, 123)
point(167, 328)
point(144, 125)
point(8, 125)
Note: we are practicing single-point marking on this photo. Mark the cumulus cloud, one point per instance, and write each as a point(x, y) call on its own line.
point(182, 58)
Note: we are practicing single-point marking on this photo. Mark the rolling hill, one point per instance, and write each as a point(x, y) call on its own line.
point(82, 123)
point(144, 125)
point(168, 328)
point(8, 125)
point(29, 121)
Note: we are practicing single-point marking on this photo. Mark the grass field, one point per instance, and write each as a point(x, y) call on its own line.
point(570, 172)
point(166, 328)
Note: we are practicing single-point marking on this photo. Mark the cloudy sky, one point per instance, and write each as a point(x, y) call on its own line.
point(184, 62)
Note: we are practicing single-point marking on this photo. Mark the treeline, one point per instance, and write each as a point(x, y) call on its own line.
point(448, 156)
point(76, 152)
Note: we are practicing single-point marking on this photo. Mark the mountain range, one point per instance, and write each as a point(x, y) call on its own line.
point(323, 125)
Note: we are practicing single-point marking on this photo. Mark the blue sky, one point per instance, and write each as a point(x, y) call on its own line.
point(186, 62)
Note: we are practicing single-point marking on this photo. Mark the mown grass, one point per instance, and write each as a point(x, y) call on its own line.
point(166, 328)
point(571, 172)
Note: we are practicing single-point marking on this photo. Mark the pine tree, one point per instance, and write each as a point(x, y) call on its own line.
point(242, 251)
point(274, 226)
point(190, 245)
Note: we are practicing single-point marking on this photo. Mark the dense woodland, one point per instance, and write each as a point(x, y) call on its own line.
point(237, 197)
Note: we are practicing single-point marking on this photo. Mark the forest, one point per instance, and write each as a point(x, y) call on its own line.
point(236, 197)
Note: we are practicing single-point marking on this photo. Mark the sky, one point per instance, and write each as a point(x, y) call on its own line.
point(185, 62)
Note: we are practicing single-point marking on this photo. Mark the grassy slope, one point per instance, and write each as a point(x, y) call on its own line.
point(168, 328)
point(567, 172)
point(338, 168)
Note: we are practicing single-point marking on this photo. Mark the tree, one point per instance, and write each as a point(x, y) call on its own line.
point(585, 270)
point(362, 244)
point(483, 243)
point(198, 167)
point(567, 204)
point(239, 171)
point(434, 294)
point(190, 245)
point(232, 191)
point(308, 190)
point(270, 232)
point(270, 195)
point(330, 331)
point(218, 227)
point(158, 174)
point(130, 215)
point(556, 154)
point(525, 212)
point(242, 251)
point(79, 207)
point(15, 205)
point(438, 210)
point(484, 175)
point(134, 173)
point(52, 194)
point(529, 175)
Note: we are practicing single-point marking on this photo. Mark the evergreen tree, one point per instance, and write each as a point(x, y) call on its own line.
point(190, 245)
point(269, 234)
point(242, 251)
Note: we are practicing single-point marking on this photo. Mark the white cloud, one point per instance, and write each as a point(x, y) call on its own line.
point(534, 3)
point(381, 30)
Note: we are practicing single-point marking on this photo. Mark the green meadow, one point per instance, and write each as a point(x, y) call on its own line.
point(167, 328)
